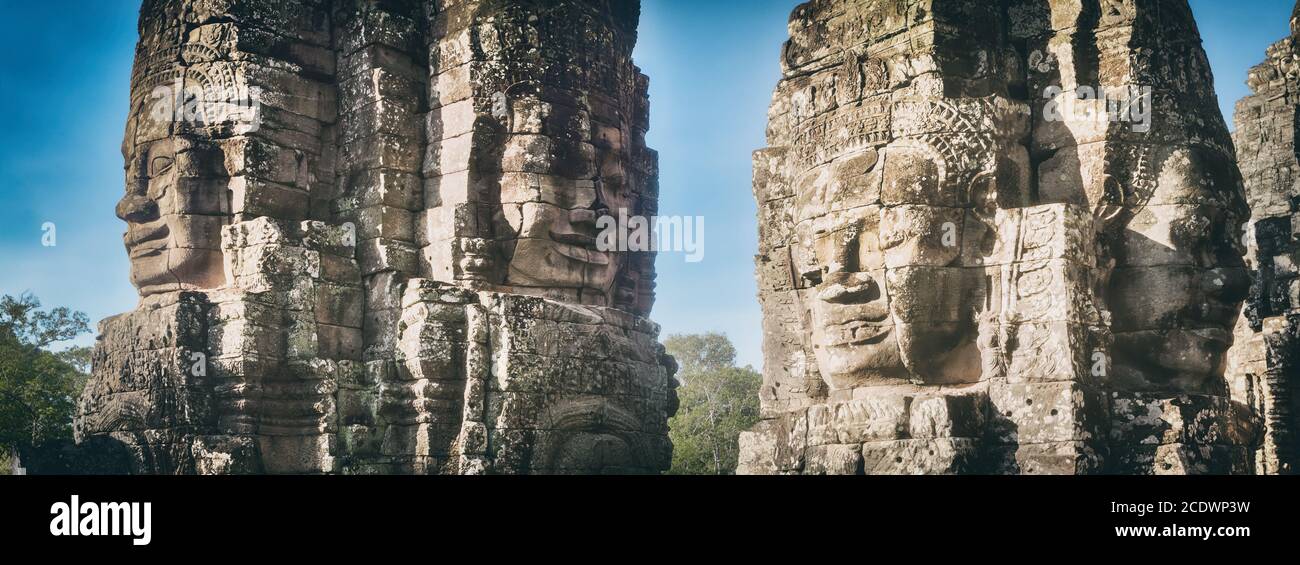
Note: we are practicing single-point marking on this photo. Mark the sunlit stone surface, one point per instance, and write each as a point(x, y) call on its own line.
point(1264, 365)
point(999, 237)
point(363, 236)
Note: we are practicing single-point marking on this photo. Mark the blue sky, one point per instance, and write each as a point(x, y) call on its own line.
point(65, 66)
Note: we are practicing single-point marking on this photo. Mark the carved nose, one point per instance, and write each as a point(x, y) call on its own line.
point(848, 278)
point(849, 288)
point(842, 254)
point(598, 204)
point(583, 217)
point(137, 208)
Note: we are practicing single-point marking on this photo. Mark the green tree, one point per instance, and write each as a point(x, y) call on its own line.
point(22, 318)
point(717, 401)
point(38, 387)
point(698, 353)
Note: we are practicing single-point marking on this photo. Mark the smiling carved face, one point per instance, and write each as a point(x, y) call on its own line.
point(174, 214)
point(549, 221)
point(884, 293)
point(1180, 280)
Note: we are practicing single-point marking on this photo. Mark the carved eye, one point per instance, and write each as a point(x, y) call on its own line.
point(891, 234)
point(813, 278)
point(160, 165)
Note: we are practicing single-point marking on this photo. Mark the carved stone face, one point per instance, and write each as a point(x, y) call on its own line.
point(1180, 279)
point(589, 437)
point(553, 230)
point(174, 212)
point(594, 453)
point(878, 253)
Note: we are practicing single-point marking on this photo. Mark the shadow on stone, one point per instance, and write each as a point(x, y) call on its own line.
point(97, 455)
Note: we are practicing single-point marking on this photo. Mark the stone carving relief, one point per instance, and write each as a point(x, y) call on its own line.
point(1263, 367)
point(971, 263)
point(994, 237)
point(365, 243)
point(1179, 278)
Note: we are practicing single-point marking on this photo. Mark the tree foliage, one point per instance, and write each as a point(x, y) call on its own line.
point(717, 401)
point(697, 353)
point(22, 317)
point(38, 388)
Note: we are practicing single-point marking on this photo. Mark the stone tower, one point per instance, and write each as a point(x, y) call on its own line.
point(1265, 367)
point(363, 232)
point(998, 237)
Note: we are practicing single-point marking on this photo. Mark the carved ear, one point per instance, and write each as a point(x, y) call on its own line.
point(1110, 206)
point(802, 273)
point(982, 196)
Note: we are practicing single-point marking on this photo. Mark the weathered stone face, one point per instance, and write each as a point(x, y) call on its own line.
point(175, 206)
point(1179, 278)
point(365, 240)
point(968, 263)
point(550, 215)
point(851, 319)
point(545, 144)
point(549, 232)
point(879, 230)
point(189, 102)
